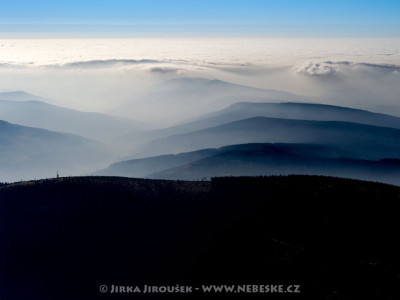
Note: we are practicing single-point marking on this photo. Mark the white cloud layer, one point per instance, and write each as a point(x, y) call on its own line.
point(102, 74)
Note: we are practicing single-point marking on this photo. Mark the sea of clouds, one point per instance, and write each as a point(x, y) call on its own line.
point(101, 74)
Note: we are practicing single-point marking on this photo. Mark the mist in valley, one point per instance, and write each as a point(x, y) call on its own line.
point(78, 106)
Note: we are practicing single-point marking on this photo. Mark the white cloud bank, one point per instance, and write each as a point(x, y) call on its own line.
point(102, 74)
point(329, 68)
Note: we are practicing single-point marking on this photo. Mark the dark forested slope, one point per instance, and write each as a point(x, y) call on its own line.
point(62, 239)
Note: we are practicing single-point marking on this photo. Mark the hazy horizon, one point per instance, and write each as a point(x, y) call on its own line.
point(326, 70)
point(99, 55)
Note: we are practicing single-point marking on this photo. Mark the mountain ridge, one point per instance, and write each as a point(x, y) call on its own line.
point(48, 116)
point(28, 152)
point(358, 140)
point(243, 110)
point(258, 159)
point(191, 98)
point(283, 159)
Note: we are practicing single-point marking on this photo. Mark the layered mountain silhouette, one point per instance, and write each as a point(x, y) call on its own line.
point(278, 159)
point(304, 111)
point(245, 110)
point(27, 152)
point(300, 138)
point(258, 160)
point(291, 137)
point(62, 238)
point(352, 139)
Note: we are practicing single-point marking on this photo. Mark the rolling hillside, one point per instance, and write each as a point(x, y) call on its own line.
point(146, 166)
point(244, 110)
point(257, 160)
point(354, 140)
point(283, 159)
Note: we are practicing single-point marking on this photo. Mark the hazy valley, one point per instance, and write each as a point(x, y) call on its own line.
point(283, 137)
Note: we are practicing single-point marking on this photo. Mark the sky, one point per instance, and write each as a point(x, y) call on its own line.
point(157, 18)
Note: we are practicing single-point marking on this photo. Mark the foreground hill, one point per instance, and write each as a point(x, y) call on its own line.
point(43, 115)
point(355, 140)
point(336, 238)
point(27, 152)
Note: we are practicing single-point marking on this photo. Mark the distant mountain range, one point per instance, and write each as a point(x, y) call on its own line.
point(27, 152)
point(245, 110)
point(43, 115)
point(300, 138)
point(304, 111)
point(257, 138)
point(354, 140)
point(19, 96)
point(178, 100)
